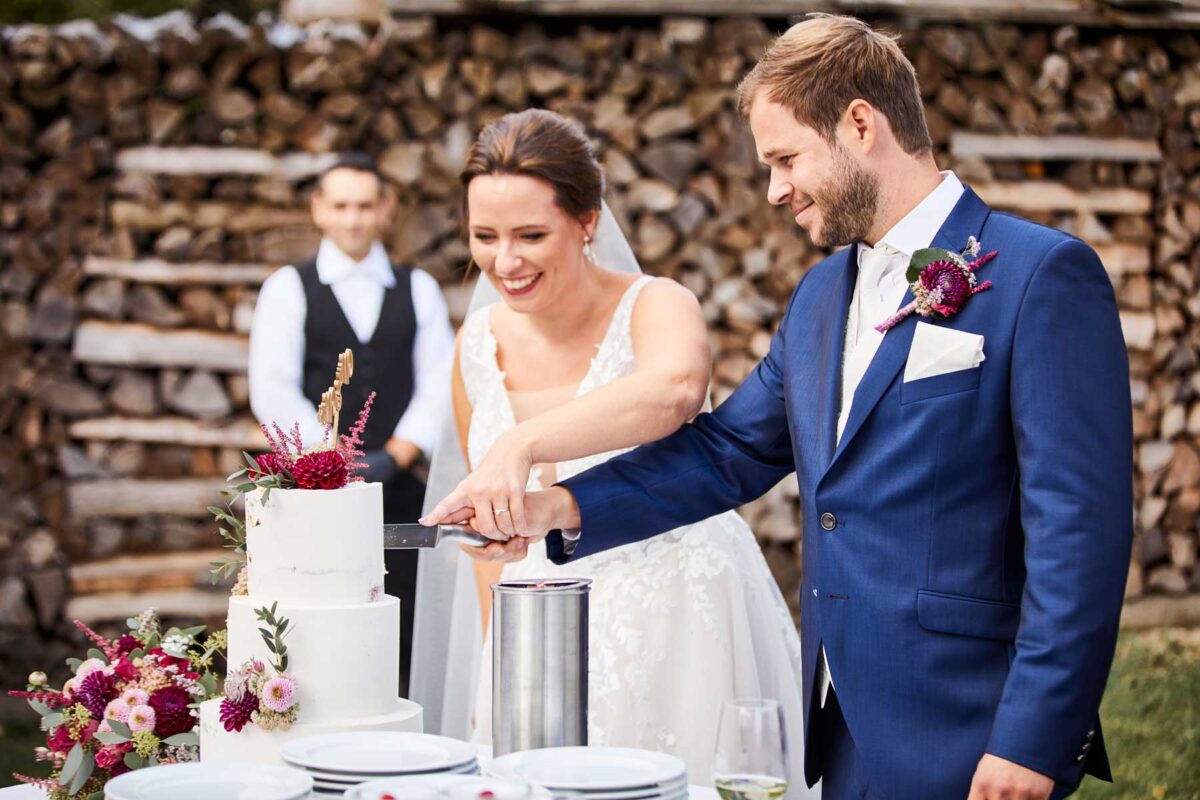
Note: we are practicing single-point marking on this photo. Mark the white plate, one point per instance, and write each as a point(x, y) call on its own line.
point(405, 787)
point(382, 753)
point(351, 778)
point(591, 769)
point(204, 781)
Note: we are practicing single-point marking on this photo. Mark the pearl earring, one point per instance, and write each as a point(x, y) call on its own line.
point(588, 252)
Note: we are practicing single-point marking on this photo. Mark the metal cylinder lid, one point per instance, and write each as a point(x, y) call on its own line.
point(548, 585)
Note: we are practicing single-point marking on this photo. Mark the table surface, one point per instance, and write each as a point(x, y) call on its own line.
point(31, 793)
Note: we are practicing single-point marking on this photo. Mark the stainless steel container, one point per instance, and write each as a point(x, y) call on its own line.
point(539, 664)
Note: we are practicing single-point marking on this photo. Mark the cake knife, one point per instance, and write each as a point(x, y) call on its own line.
point(406, 536)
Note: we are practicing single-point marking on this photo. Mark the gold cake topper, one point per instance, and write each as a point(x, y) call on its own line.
point(331, 400)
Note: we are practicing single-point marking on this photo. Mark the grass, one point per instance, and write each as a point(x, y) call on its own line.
point(1151, 717)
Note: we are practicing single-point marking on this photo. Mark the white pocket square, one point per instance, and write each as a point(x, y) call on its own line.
point(937, 351)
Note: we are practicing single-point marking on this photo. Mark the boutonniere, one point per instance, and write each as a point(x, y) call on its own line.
point(941, 281)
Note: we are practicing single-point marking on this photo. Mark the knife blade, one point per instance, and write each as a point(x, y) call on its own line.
point(407, 536)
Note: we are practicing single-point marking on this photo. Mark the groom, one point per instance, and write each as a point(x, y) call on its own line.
point(966, 482)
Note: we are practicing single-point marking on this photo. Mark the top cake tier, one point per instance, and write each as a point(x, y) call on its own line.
point(316, 547)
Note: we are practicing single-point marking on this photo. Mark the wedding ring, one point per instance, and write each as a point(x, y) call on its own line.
point(500, 510)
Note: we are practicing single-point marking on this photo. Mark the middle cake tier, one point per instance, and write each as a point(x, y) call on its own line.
point(345, 659)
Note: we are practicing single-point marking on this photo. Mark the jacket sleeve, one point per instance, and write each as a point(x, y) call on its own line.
point(1072, 425)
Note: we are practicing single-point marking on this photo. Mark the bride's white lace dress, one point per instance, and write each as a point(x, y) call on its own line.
point(678, 623)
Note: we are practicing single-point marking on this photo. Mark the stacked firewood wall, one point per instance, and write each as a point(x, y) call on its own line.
point(153, 172)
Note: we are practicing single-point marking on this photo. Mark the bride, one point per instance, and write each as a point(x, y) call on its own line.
point(583, 359)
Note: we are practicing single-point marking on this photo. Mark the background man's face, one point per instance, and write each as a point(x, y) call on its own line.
point(350, 208)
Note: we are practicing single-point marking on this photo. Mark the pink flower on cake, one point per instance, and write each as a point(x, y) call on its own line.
point(236, 714)
point(141, 718)
point(279, 694)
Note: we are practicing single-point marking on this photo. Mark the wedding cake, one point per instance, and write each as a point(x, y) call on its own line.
point(316, 558)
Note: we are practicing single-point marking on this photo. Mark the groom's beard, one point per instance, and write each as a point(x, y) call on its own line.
point(847, 202)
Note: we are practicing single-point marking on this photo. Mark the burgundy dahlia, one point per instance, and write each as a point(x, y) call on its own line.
point(127, 644)
point(236, 714)
point(268, 464)
point(950, 281)
point(95, 691)
point(321, 469)
point(171, 712)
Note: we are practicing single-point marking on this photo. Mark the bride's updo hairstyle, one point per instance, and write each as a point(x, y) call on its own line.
point(540, 144)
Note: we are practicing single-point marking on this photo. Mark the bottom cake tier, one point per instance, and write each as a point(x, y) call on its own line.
point(255, 744)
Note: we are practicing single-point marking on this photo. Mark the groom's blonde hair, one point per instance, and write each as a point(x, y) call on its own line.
point(821, 65)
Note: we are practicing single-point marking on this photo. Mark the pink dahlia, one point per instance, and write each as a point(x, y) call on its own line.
point(117, 709)
point(172, 712)
point(141, 718)
point(321, 469)
point(236, 714)
point(135, 697)
point(279, 694)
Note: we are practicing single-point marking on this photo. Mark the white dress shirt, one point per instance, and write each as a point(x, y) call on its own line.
point(277, 342)
point(878, 292)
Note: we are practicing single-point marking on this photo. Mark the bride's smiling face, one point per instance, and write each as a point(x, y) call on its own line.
point(529, 248)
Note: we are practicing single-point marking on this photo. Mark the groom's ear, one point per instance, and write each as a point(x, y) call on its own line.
point(863, 124)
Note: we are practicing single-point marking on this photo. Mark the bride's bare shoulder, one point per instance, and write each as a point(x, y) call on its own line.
point(665, 297)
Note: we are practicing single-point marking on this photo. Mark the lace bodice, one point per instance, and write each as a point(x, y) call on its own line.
point(491, 409)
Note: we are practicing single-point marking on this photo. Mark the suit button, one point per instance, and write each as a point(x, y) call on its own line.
point(828, 521)
point(814, 592)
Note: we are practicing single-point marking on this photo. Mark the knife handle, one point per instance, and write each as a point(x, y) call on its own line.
point(463, 534)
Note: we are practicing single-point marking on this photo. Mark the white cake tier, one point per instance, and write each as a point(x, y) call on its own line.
point(345, 659)
point(316, 547)
point(254, 744)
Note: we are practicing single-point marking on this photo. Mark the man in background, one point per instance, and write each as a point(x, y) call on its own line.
point(395, 320)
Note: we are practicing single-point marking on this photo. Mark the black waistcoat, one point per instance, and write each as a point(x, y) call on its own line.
point(383, 365)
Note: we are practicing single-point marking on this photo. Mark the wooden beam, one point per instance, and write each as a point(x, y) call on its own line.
point(1051, 196)
point(137, 345)
point(234, 217)
point(129, 498)
point(223, 161)
point(156, 270)
point(181, 570)
point(242, 433)
point(1074, 12)
point(190, 604)
point(965, 144)
point(1121, 259)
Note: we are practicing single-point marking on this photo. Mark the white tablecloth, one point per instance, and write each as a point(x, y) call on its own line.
point(30, 793)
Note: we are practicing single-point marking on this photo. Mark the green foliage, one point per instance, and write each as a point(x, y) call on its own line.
point(273, 636)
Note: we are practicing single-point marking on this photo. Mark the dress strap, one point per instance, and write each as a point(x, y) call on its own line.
point(477, 354)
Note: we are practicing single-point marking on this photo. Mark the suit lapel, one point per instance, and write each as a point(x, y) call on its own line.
point(965, 220)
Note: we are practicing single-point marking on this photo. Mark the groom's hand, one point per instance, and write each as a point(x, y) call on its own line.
point(552, 509)
point(998, 779)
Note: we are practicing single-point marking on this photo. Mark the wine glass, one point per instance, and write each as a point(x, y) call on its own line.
point(751, 758)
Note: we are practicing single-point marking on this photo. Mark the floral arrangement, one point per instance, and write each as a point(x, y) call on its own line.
point(252, 693)
point(941, 281)
point(332, 464)
point(130, 704)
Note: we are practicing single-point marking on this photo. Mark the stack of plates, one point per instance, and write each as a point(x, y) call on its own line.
point(207, 780)
point(429, 787)
point(337, 762)
point(597, 773)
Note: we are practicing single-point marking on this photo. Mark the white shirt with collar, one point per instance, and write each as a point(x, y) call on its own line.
point(276, 372)
point(874, 301)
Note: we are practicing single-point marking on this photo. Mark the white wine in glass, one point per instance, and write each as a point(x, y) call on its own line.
point(750, 762)
point(750, 787)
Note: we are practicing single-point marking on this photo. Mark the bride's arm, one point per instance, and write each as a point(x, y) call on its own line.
point(666, 389)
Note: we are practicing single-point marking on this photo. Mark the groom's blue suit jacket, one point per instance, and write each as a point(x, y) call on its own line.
point(966, 543)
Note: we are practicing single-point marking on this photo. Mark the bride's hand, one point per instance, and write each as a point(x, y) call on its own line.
point(495, 492)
